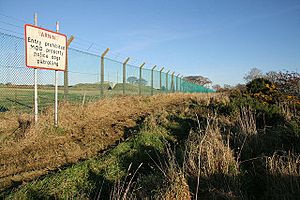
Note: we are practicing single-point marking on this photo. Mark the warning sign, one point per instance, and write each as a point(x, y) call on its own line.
point(45, 49)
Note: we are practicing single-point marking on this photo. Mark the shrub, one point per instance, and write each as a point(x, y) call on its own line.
point(263, 90)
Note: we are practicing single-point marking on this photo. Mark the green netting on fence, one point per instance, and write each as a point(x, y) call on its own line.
point(84, 78)
point(192, 88)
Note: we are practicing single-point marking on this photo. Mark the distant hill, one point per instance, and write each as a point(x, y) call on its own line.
point(96, 85)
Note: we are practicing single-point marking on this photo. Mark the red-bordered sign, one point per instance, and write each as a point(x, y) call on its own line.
point(45, 49)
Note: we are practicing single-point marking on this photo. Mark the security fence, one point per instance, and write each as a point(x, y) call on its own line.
point(84, 79)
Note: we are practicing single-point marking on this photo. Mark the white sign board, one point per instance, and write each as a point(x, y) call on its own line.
point(45, 49)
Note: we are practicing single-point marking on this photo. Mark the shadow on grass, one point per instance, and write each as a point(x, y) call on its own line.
point(216, 186)
point(246, 186)
point(19, 103)
point(3, 109)
point(148, 177)
point(257, 182)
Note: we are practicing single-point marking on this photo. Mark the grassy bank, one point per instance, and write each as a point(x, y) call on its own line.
point(180, 147)
point(29, 151)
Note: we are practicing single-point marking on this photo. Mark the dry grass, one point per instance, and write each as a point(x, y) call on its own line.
point(247, 134)
point(209, 169)
point(200, 165)
point(284, 165)
point(246, 121)
point(123, 190)
point(84, 131)
point(178, 189)
point(210, 164)
point(283, 177)
point(176, 185)
point(207, 152)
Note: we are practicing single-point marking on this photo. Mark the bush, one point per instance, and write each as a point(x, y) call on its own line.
point(263, 90)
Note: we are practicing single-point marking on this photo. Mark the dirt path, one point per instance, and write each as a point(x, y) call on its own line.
point(27, 152)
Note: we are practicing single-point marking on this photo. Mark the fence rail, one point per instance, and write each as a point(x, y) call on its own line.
point(84, 78)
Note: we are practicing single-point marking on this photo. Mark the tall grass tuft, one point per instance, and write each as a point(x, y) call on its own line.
point(246, 121)
point(283, 177)
point(176, 185)
point(124, 190)
point(210, 164)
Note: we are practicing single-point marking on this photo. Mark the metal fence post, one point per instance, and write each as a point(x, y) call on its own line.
point(140, 80)
point(152, 71)
point(102, 72)
point(66, 72)
point(172, 82)
point(124, 74)
point(160, 81)
point(177, 79)
point(167, 87)
point(181, 86)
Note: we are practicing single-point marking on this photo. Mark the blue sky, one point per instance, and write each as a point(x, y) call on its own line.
point(221, 39)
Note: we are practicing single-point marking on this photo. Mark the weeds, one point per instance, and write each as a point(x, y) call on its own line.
point(189, 148)
point(124, 190)
point(83, 132)
point(210, 164)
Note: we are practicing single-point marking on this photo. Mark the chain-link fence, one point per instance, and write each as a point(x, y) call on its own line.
point(84, 78)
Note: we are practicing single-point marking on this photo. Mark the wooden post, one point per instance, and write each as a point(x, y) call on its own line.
point(102, 72)
point(167, 82)
point(160, 81)
point(124, 74)
point(152, 71)
point(66, 72)
point(140, 80)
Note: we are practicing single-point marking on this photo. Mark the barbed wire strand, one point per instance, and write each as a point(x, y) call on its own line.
point(117, 55)
point(10, 24)
point(14, 18)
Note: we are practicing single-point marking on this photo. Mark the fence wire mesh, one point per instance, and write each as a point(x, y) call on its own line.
point(84, 79)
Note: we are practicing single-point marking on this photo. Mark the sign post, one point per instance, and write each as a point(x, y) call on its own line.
point(36, 111)
point(45, 49)
point(56, 89)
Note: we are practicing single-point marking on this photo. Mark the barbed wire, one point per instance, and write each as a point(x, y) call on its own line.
point(86, 45)
point(11, 31)
point(14, 18)
point(10, 24)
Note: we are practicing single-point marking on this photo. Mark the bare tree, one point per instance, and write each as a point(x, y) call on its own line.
point(227, 86)
point(272, 76)
point(288, 82)
point(253, 74)
point(217, 87)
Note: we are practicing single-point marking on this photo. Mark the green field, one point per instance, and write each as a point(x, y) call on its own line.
point(21, 98)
